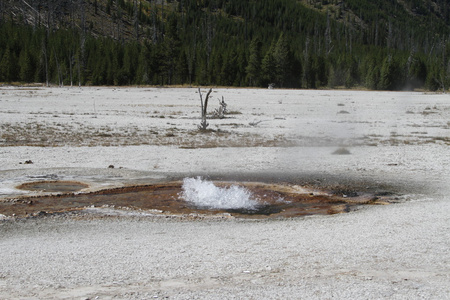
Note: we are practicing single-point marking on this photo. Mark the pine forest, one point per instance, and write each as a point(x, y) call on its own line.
point(370, 44)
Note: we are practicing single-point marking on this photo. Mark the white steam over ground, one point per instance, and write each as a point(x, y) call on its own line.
point(205, 194)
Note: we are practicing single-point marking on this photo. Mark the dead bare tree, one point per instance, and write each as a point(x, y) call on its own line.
point(82, 42)
point(58, 69)
point(71, 62)
point(204, 124)
point(44, 54)
point(154, 12)
point(136, 19)
point(222, 110)
point(328, 40)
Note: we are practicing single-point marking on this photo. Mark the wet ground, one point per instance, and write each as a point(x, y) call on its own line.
point(53, 186)
point(276, 200)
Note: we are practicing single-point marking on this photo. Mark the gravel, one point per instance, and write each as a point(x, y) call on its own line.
point(399, 252)
point(396, 251)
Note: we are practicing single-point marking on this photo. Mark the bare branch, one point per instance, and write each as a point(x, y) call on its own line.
point(206, 101)
point(201, 101)
point(222, 110)
point(204, 124)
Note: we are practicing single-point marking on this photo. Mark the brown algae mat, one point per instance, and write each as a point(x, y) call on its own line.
point(274, 200)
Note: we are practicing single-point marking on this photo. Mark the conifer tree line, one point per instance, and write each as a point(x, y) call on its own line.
point(313, 44)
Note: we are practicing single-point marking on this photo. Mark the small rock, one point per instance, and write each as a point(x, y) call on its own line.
point(40, 213)
point(342, 151)
point(111, 166)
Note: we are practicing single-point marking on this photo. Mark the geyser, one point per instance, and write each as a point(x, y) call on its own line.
point(198, 197)
point(205, 194)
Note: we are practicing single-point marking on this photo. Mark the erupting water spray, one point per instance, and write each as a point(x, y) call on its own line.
point(205, 194)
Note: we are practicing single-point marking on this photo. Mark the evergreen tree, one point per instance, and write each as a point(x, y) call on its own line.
point(240, 79)
point(217, 63)
point(26, 66)
point(253, 69)
point(130, 58)
point(321, 71)
point(372, 73)
point(432, 83)
point(170, 49)
point(182, 71)
point(390, 76)
point(268, 66)
point(229, 69)
point(281, 59)
point(143, 70)
point(310, 73)
point(208, 42)
point(6, 66)
point(332, 78)
point(352, 76)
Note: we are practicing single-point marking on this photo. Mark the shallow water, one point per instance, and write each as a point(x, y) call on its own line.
point(53, 186)
point(200, 197)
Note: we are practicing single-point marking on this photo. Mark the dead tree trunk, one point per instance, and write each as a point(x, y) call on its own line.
point(71, 62)
point(204, 124)
point(81, 56)
point(222, 110)
point(44, 52)
point(58, 70)
point(136, 19)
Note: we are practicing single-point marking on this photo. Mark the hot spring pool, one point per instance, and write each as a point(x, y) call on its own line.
point(201, 197)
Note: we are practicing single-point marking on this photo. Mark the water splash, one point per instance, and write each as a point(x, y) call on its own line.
point(203, 193)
